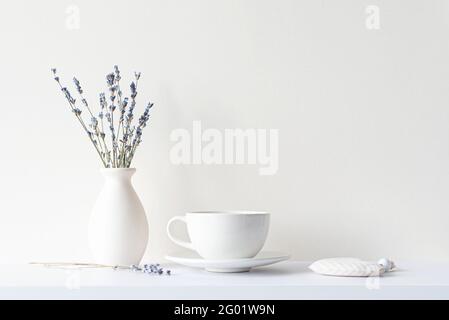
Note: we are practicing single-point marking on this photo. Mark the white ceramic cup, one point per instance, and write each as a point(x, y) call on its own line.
point(224, 234)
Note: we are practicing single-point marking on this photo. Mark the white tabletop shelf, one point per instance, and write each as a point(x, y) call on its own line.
point(287, 280)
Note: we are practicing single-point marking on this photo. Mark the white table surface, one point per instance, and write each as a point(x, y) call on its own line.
point(286, 280)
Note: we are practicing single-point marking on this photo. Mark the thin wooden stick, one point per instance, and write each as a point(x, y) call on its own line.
point(77, 264)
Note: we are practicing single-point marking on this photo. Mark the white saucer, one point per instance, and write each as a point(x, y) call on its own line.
point(234, 265)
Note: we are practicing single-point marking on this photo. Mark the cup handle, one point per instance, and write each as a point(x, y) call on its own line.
point(181, 243)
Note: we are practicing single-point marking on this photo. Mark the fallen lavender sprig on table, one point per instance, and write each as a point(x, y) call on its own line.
point(155, 269)
point(125, 136)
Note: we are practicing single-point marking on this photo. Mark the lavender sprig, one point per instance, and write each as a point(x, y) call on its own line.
point(138, 136)
point(122, 109)
point(110, 79)
point(146, 268)
point(94, 121)
point(77, 112)
point(101, 115)
point(128, 132)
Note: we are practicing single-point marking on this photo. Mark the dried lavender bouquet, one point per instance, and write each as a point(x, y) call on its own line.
point(124, 136)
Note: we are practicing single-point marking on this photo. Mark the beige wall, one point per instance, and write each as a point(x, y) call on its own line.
point(362, 116)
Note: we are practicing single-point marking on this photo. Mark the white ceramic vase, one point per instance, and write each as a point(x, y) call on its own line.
point(118, 227)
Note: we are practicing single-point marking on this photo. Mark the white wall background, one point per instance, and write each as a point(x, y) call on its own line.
point(363, 118)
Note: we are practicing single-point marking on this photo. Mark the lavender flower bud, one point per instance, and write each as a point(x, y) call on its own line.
point(129, 116)
point(68, 95)
point(135, 268)
point(102, 100)
point(117, 73)
point(125, 103)
point(123, 109)
point(53, 70)
point(133, 90)
point(78, 85)
point(110, 79)
point(146, 115)
point(94, 122)
point(112, 89)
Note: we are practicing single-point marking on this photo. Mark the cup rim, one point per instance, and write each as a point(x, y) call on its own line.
point(227, 212)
